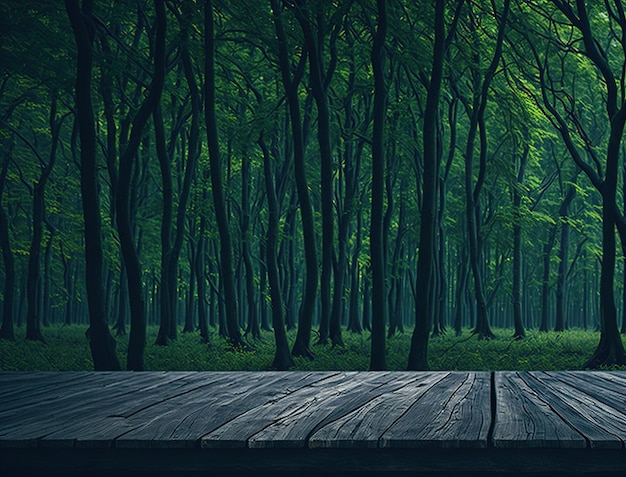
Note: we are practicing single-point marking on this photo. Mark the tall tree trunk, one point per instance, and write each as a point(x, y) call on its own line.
point(481, 85)
point(610, 349)
point(519, 332)
point(378, 358)
point(33, 283)
point(246, 239)
point(6, 329)
point(199, 267)
point(166, 292)
point(217, 189)
point(282, 357)
point(559, 324)
point(325, 151)
point(137, 338)
point(301, 346)
point(101, 342)
point(424, 308)
point(265, 326)
point(545, 281)
point(46, 307)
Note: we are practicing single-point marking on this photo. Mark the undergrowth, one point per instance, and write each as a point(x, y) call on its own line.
point(67, 349)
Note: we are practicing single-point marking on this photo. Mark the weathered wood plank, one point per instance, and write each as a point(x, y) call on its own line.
point(293, 429)
point(236, 432)
point(596, 387)
point(363, 427)
point(615, 376)
point(35, 423)
point(523, 419)
point(455, 412)
point(601, 425)
point(183, 423)
point(18, 392)
point(101, 425)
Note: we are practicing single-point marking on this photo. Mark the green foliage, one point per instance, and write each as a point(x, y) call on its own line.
point(68, 350)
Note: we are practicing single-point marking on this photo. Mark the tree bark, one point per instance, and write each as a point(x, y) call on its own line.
point(301, 346)
point(137, 337)
point(101, 342)
point(378, 358)
point(519, 332)
point(424, 308)
point(6, 329)
point(282, 357)
point(217, 188)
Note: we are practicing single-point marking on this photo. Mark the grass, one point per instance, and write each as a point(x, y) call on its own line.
point(67, 350)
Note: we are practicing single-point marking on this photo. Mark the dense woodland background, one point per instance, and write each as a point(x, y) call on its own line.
point(334, 167)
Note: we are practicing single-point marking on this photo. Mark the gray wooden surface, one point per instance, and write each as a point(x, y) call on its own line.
point(471, 413)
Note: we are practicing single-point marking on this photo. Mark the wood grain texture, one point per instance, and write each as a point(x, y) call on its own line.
point(602, 425)
point(236, 432)
point(369, 421)
point(524, 418)
point(364, 426)
point(454, 412)
point(293, 429)
point(181, 423)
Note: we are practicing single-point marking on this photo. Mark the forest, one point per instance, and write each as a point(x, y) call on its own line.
point(315, 169)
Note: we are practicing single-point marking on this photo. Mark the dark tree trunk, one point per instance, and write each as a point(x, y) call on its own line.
point(137, 338)
point(623, 328)
point(282, 357)
point(461, 288)
point(355, 322)
point(217, 188)
point(395, 319)
point(610, 349)
point(199, 267)
point(378, 359)
point(166, 292)
point(33, 283)
point(246, 239)
point(367, 301)
point(122, 303)
point(265, 326)
point(189, 311)
point(172, 246)
point(424, 308)
point(545, 282)
point(519, 332)
point(559, 324)
point(46, 307)
point(101, 342)
point(6, 329)
point(290, 84)
point(481, 84)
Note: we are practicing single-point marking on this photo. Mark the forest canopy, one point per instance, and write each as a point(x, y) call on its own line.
point(327, 167)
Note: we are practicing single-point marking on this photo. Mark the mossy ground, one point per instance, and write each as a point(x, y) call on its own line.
point(67, 350)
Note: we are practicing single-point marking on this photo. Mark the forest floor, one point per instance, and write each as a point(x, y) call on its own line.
point(67, 350)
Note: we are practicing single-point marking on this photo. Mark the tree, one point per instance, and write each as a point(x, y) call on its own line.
point(290, 85)
point(574, 126)
point(101, 342)
point(137, 337)
point(6, 329)
point(378, 359)
point(226, 265)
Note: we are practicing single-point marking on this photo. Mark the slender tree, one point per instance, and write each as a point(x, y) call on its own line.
point(301, 346)
point(137, 337)
point(217, 188)
point(378, 358)
point(424, 307)
point(101, 342)
point(6, 329)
